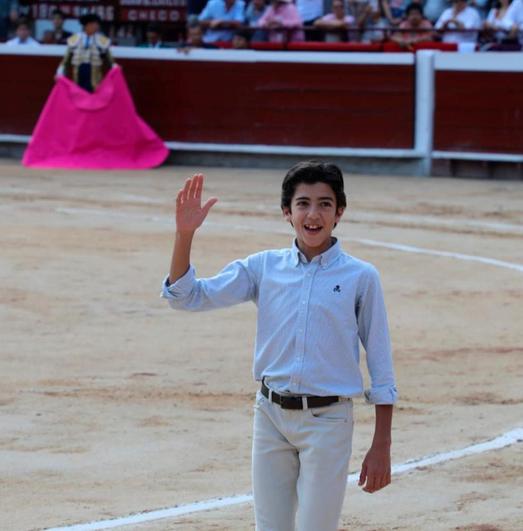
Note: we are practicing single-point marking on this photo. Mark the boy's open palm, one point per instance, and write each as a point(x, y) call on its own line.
point(190, 213)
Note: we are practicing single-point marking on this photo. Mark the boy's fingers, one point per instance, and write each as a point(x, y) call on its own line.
point(363, 475)
point(185, 191)
point(371, 483)
point(191, 193)
point(384, 481)
point(199, 186)
point(208, 205)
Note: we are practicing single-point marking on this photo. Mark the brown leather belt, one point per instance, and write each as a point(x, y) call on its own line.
point(296, 402)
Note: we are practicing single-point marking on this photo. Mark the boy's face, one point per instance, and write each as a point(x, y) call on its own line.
point(313, 215)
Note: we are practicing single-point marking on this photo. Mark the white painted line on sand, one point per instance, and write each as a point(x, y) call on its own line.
point(459, 256)
point(507, 439)
point(363, 241)
point(400, 247)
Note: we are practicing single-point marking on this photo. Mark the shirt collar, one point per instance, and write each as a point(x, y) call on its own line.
point(325, 258)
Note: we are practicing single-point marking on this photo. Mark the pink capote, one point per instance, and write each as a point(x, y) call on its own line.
point(80, 130)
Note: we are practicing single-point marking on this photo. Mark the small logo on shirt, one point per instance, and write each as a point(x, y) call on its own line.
point(337, 289)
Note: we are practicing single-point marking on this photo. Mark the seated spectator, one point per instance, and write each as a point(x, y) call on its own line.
point(220, 18)
point(310, 11)
point(415, 23)
point(281, 15)
point(515, 20)
point(482, 7)
point(337, 20)
point(8, 15)
point(434, 8)
point(372, 23)
point(360, 11)
point(23, 35)
point(195, 38)
point(241, 40)
point(459, 17)
point(394, 10)
point(60, 36)
point(254, 12)
point(47, 37)
point(153, 36)
point(497, 26)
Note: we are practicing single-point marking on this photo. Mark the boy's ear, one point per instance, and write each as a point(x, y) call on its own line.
point(287, 214)
point(339, 213)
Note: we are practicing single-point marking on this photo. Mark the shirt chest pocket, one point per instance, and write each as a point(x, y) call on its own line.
point(333, 307)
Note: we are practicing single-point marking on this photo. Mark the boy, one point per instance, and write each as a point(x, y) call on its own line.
point(314, 304)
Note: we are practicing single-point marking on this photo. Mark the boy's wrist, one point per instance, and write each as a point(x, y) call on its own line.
point(382, 443)
point(185, 233)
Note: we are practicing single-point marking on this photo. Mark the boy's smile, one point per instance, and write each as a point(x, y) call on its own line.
point(313, 214)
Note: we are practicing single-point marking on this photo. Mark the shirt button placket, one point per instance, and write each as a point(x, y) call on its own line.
point(301, 329)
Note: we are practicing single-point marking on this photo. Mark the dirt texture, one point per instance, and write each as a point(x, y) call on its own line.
point(113, 404)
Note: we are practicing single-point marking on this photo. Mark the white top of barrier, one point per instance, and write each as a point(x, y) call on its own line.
point(480, 61)
point(229, 56)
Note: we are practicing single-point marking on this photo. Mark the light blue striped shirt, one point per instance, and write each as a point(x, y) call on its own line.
point(311, 317)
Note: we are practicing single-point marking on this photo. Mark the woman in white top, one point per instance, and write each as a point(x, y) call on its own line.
point(497, 25)
point(515, 19)
point(460, 17)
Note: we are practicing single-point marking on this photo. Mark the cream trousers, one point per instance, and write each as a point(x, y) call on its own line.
point(300, 461)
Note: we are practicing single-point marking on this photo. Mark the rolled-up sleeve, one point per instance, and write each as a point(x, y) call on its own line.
point(235, 283)
point(374, 334)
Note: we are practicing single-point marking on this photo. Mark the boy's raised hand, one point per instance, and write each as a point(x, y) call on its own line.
point(190, 213)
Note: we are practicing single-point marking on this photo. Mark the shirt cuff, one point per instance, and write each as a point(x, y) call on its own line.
point(181, 288)
point(384, 395)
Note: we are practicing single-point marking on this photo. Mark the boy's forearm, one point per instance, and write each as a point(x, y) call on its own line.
point(383, 428)
point(181, 258)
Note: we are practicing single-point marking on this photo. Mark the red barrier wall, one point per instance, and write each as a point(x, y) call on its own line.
point(479, 111)
point(275, 103)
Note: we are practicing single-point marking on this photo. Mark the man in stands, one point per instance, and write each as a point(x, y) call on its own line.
point(8, 15)
point(337, 21)
point(195, 38)
point(310, 10)
point(280, 17)
point(220, 18)
point(459, 17)
point(412, 28)
point(23, 35)
point(254, 12)
point(60, 36)
point(153, 37)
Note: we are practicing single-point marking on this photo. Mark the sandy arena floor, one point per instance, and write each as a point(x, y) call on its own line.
point(113, 404)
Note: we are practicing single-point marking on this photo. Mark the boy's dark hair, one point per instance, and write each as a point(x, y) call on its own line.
point(310, 172)
point(414, 7)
